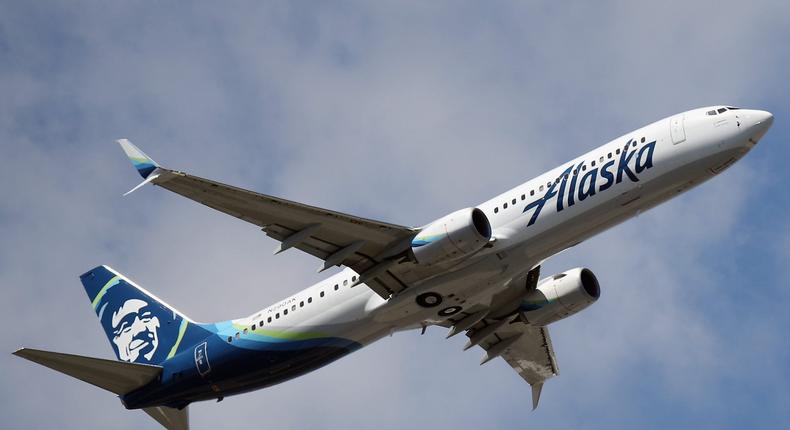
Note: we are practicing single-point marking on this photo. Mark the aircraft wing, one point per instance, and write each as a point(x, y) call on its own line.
point(365, 245)
point(525, 348)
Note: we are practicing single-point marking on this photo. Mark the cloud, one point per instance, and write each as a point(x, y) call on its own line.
point(401, 113)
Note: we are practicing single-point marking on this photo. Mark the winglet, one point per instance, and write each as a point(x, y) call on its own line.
point(536, 389)
point(143, 163)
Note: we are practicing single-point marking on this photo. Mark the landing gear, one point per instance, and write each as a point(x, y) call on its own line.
point(452, 310)
point(429, 300)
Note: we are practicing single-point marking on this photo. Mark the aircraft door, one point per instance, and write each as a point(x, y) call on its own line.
point(677, 129)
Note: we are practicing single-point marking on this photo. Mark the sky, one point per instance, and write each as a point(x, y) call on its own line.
point(403, 112)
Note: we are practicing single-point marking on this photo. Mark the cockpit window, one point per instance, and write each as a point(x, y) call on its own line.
point(732, 108)
point(721, 110)
point(710, 112)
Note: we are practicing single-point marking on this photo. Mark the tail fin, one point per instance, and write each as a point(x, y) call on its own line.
point(140, 327)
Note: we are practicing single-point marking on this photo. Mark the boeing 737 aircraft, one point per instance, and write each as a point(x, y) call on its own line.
point(475, 271)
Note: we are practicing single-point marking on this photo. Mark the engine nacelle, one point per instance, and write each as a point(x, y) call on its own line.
point(452, 237)
point(560, 296)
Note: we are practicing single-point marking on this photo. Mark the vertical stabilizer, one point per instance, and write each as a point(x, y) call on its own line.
point(141, 327)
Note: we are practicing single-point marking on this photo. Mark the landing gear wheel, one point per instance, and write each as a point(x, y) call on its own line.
point(452, 310)
point(429, 300)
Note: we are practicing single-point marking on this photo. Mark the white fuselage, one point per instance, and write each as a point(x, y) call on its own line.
point(687, 149)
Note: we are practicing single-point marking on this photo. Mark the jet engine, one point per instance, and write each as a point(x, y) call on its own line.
point(452, 237)
point(560, 296)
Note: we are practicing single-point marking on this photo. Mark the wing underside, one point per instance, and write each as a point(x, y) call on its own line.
point(336, 238)
point(527, 349)
point(371, 248)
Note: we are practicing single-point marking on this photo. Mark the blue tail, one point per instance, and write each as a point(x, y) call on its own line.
point(141, 328)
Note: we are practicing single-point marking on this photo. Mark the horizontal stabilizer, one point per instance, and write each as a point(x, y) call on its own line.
point(115, 376)
point(170, 418)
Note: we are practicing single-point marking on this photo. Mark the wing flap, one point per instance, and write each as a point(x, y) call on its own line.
point(528, 350)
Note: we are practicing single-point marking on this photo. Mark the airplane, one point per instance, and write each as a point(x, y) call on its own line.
point(474, 271)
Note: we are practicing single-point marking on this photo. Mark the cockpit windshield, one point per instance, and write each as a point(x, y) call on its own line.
point(720, 110)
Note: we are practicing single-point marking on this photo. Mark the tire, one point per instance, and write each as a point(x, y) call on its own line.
point(452, 310)
point(429, 300)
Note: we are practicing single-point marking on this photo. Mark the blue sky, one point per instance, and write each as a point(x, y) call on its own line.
point(402, 112)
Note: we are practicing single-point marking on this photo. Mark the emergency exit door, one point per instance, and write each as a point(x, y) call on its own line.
point(677, 130)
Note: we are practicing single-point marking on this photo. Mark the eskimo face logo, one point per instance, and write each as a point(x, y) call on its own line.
point(135, 329)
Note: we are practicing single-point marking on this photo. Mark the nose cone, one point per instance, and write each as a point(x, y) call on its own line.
point(760, 121)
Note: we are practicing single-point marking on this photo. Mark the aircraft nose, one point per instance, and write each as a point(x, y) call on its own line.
point(760, 121)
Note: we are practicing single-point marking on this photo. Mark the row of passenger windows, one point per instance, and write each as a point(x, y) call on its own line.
point(575, 172)
point(285, 311)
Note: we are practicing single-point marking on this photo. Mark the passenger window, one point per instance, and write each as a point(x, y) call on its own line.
point(285, 312)
point(643, 141)
point(322, 294)
point(601, 159)
point(277, 316)
point(514, 201)
point(541, 188)
point(309, 300)
point(504, 206)
point(592, 164)
point(575, 172)
point(523, 197)
point(618, 151)
point(230, 338)
point(548, 184)
point(253, 327)
point(353, 279)
point(496, 210)
point(584, 167)
point(301, 304)
point(345, 282)
point(293, 308)
point(245, 331)
point(531, 192)
point(610, 155)
point(237, 335)
point(269, 319)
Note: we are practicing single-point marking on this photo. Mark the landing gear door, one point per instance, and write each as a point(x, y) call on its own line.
point(677, 130)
